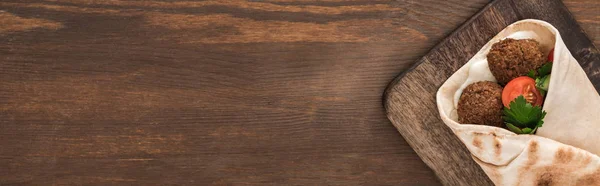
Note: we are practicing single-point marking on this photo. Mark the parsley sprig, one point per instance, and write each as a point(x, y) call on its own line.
point(540, 72)
point(523, 118)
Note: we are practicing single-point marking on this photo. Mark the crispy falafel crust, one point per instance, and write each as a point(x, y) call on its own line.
point(481, 103)
point(511, 58)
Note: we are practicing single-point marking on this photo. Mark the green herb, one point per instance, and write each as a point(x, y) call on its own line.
point(531, 74)
point(518, 130)
point(544, 70)
point(522, 117)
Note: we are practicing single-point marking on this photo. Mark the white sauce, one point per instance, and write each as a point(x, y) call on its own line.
point(479, 71)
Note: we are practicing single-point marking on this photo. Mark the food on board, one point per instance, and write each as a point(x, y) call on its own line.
point(560, 132)
point(522, 86)
point(520, 65)
point(522, 117)
point(481, 103)
point(511, 58)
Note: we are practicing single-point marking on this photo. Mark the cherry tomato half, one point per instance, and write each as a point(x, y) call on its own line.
point(522, 86)
point(551, 56)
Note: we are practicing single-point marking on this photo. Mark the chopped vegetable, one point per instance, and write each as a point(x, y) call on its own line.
point(540, 72)
point(551, 56)
point(522, 86)
point(522, 117)
point(542, 78)
point(544, 70)
point(531, 74)
point(542, 83)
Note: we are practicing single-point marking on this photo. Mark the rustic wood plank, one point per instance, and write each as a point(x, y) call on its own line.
point(273, 92)
point(410, 98)
point(167, 92)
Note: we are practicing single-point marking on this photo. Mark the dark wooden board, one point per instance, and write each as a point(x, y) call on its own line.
point(410, 98)
point(215, 92)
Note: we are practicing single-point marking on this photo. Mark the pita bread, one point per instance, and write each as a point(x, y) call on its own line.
point(565, 149)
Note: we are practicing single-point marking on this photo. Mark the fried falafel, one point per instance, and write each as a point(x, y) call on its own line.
point(511, 58)
point(481, 103)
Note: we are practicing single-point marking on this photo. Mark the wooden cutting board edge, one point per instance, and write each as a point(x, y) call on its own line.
point(590, 53)
point(391, 86)
point(436, 47)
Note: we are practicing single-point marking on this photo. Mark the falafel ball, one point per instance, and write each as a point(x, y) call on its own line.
point(481, 103)
point(511, 58)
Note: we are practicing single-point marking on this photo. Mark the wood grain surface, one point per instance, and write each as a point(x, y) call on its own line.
point(410, 98)
point(218, 92)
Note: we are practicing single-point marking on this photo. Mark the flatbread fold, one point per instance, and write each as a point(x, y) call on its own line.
point(565, 149)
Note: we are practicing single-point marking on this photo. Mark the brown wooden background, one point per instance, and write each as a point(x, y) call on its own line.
point(224, 92)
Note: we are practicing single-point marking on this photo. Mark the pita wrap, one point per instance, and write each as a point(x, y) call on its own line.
point(565, 149)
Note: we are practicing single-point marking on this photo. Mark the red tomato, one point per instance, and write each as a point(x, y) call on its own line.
point(551, 56)
point(522, 86)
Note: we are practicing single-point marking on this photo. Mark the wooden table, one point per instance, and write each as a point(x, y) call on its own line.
point(263, 92)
